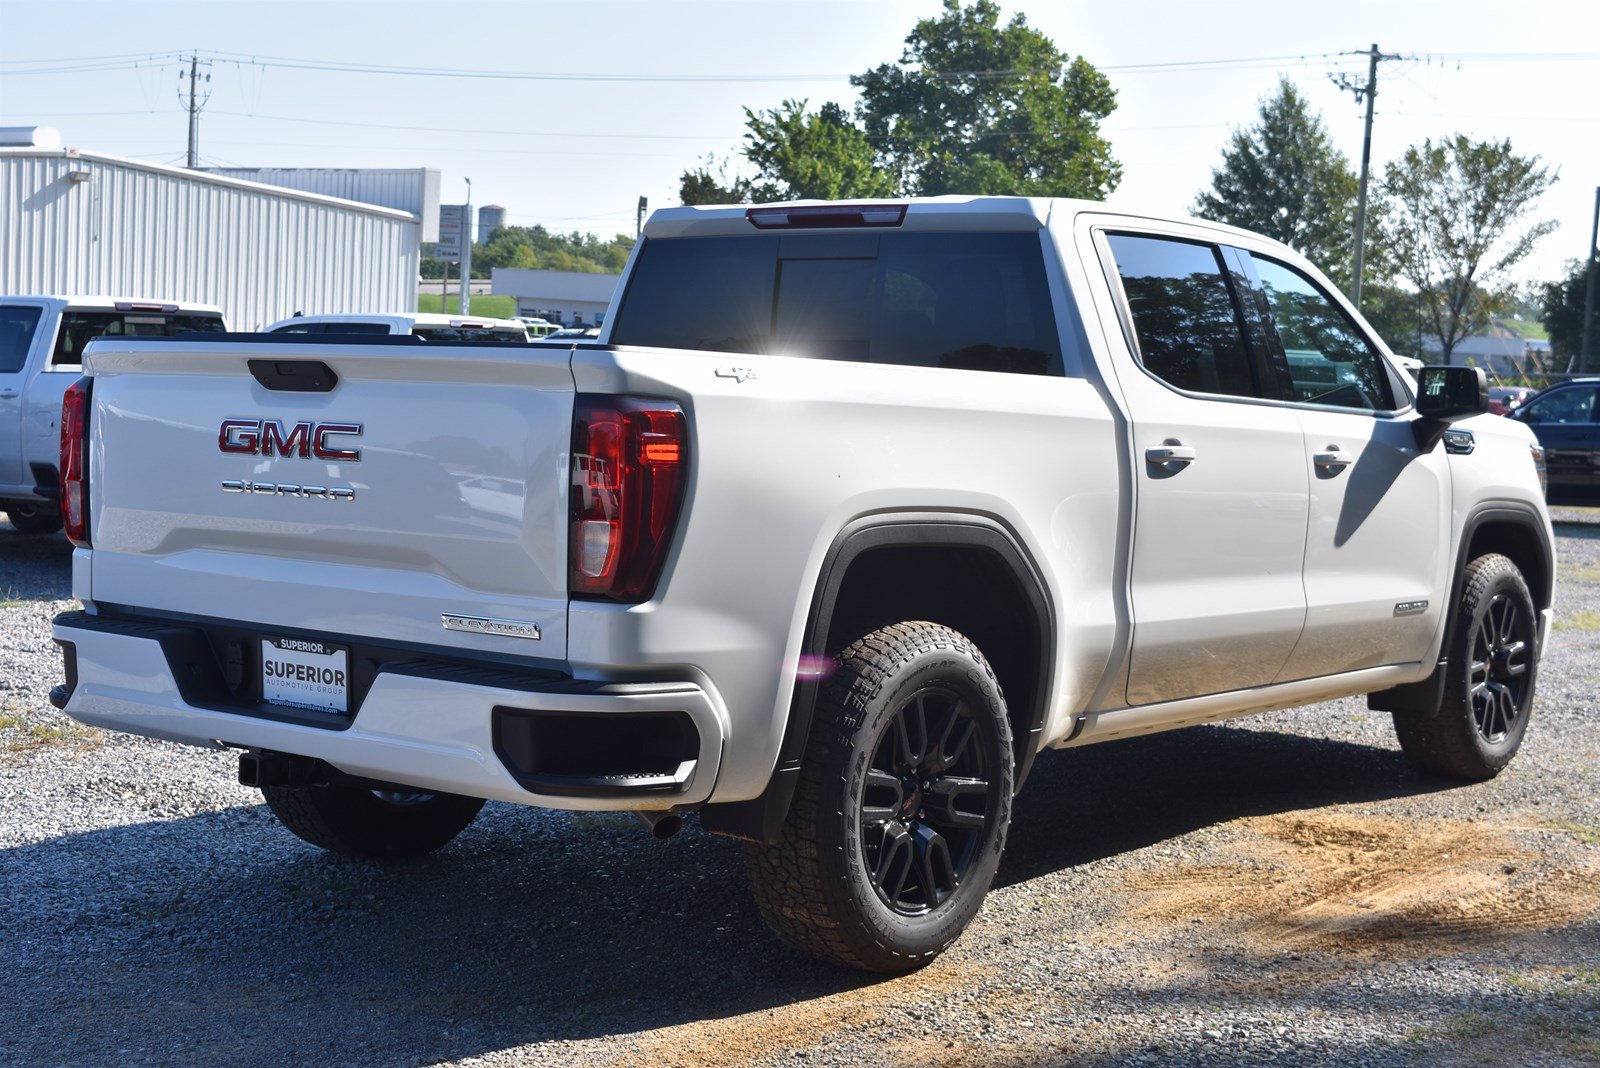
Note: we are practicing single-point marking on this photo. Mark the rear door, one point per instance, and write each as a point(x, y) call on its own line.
point(1377, 548)
point(1221, 485)
point(19, 323)
point(220, 491)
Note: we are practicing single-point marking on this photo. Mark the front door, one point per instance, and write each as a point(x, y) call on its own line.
point(1377, 564)
point(1567, 422)
point(18, 324)
point(1220, 482)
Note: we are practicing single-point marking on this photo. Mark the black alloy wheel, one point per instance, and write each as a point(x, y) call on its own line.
point(927, 796)
point(1502, 649)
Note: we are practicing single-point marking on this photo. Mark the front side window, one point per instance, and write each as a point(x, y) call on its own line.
point(17, 324)
point(1183, 314)
point(80, 328)
point(968, 301)
point(1329, 360)
point(1573, 405)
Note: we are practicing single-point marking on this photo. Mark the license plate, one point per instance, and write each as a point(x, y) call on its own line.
point(305, 674)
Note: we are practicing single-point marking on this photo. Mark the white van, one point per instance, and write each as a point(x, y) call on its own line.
point(429, 325)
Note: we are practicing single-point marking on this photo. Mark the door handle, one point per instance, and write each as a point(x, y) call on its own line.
point(1333, 458)
point(1171, 453)
point(8, 394)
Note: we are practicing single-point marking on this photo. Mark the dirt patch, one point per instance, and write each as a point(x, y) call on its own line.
point(806, 1025)
point(1372, 886)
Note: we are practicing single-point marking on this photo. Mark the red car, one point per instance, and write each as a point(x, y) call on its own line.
point(1503, 400)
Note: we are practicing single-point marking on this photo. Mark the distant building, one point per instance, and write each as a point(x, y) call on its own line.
point(414, 189)
point(571, 298)
point(491, 217)
point(74, 222)
point(1500, 351)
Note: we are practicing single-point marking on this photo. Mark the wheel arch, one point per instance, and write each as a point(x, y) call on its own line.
point(863, 581)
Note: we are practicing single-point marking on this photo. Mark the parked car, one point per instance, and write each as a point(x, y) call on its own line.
point(430, 326)
point(42, 339)
point(849, 512)
point(1503, 400)
point(1566, 420)
point(569, 334)
point(538, 327)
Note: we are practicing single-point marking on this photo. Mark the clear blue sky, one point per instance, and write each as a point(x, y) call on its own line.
point(576, 154)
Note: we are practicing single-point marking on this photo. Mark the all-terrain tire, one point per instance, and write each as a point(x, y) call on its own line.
point(1491, 667)
point(360, 822)
point(34, 521)
point(822, 887)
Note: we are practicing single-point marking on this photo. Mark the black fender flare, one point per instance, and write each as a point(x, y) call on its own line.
point(761, 818)
point(1423, 697)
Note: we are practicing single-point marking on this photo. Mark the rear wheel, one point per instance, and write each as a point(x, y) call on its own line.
point(31, 520)
point(380, 824)
point(1491, 668)
point(902, 808)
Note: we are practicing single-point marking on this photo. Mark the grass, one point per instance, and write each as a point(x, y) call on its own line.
point(492, 307)
point(1581, 574)
point(9, 719)
point(1469, 1025)
point(1589, 834)
point(1583, 619)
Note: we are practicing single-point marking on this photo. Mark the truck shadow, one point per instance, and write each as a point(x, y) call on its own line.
point(34, 567)
point(217, 938)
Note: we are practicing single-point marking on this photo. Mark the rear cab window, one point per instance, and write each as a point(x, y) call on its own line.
point(17, 325)
point(470, 335)
point(78, 328)
point(967, 301)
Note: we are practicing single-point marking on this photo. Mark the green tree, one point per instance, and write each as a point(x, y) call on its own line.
point(821, 156)
point(536, 247)
point(1454, 221)
point(1283, 177)
point(1561, 312)
point(711, 183)
point(976, 107)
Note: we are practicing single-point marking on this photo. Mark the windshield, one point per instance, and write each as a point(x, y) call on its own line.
point(472, 335)
point(78, 328)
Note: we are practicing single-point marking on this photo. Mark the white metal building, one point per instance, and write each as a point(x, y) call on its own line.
point(414, 189)
point(81, 222)
point(568, 297)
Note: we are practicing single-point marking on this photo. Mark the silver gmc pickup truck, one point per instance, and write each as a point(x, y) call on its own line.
point(850, 511)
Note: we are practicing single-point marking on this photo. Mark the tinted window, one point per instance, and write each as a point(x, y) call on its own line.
point(1329, 360)
point(967, 301)
point(17, 325)
point(1183, 314)
point(346, 327)
point(80, 328)
point(299, 328)
point(1572, 405)
point(470, 335)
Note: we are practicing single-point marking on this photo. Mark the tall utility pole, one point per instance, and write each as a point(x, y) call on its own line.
point(465, 303)
point(1369, 92)
point(194, 105)
point(1587, 357)
point(638, 219)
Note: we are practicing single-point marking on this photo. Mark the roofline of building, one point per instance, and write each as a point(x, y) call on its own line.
point(214, 179)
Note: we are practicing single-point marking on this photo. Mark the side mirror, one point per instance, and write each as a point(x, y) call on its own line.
point(1445, 394)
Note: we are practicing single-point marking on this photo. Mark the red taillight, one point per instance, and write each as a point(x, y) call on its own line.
point(629, 463)
point(75, 462)
point(825, 216)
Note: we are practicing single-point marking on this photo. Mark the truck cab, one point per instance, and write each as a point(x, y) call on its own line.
point(42, 340)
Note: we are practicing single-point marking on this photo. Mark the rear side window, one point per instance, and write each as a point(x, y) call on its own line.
point(1329, 360)
point(1183, 313)
point(968, 301)
point(80, 328)
point(17, 325)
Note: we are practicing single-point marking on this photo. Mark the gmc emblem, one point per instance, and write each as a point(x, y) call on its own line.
point(305, 439)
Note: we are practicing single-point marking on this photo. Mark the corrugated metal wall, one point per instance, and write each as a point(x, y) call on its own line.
point(134, 230)
point(415, 190)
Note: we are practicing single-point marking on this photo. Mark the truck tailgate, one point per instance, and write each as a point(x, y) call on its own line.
point(430, 481)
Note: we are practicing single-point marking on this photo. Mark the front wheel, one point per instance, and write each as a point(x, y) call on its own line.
point(1491, 667)
point(357, 821)
point(902, 808)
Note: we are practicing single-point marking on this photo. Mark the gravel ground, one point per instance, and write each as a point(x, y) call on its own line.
point(1280, 890)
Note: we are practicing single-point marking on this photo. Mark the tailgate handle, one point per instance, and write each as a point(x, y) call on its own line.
point(294, 376)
